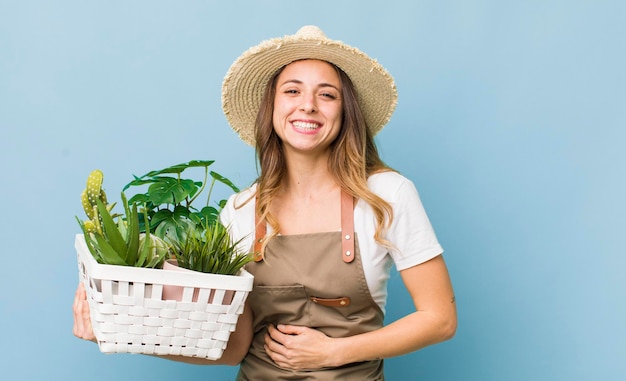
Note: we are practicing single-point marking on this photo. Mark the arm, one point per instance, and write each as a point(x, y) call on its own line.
point(433, 321)
point(237, 348)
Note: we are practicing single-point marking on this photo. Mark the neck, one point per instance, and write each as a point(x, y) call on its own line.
point(307, 174)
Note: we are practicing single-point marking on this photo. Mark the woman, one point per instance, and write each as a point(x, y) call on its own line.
point(327, 218)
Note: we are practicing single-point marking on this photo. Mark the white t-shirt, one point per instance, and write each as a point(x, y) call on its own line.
point(410, 233)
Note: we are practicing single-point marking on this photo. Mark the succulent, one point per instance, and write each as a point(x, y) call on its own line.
point(113, 239)
point(210, 251)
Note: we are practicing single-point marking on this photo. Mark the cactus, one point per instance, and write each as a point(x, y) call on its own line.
point(90, 227)
point(93, 192)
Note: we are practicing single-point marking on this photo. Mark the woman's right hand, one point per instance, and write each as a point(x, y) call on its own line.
point(82, 320)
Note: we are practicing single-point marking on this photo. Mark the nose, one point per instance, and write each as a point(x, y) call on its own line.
point(308, 104)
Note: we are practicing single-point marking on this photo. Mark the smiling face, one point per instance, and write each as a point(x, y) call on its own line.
point(308, 106)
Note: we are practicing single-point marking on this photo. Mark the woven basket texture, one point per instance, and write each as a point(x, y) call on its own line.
point(129, 315)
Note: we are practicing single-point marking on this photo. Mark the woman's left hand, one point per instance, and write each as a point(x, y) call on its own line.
point(297, 347)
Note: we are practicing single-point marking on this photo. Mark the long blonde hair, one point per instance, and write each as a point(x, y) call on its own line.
point(353, 158)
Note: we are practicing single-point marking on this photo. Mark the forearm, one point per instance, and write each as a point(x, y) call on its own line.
point(434, 320)
point(408, 334)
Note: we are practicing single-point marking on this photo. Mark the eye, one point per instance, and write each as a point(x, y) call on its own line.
point(328, 95)
point(291, 91)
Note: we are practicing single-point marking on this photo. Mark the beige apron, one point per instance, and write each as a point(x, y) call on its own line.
point(313, 280)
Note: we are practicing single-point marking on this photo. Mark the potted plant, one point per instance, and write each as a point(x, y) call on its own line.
point(120, 258)
point(197, 239)
point(208, 251)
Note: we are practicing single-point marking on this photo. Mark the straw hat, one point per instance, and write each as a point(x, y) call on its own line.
point(245, 82)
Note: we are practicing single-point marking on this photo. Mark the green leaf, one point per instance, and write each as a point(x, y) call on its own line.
point(109, 254)
point(180, 213)
point(171, 191)
point(200, 163)
point(161, 216)
point(165, 220)
point(145, 248)
point(110, 229)
point(132, 250)
point(163, 229)
point(137, 182)
point(209, 215)
point(139, 198)
point(154, 262)
point(179, 168)
point(222, 203)
point(225, 181)
point(88, 239)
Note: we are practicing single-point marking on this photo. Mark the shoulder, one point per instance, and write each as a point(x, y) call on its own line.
point(238, 205)
point(238, 199)
point(389, 185)
point(390, 177)
point(238, 216)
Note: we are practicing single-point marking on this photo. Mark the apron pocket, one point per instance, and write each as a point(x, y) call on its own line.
point(288, 305)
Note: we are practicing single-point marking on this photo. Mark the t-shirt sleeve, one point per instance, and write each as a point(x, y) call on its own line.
point(411, 234)
point(239, 219)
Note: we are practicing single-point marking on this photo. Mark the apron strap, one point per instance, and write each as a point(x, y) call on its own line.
point(347, 230)
point(347, 227)
point(260, 231)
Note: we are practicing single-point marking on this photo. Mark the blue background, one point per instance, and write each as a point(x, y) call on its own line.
point(511, 122)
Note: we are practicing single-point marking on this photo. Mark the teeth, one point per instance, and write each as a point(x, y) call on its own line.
point(305, 125)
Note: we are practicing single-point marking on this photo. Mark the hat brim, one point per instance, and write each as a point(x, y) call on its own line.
point(244, 84)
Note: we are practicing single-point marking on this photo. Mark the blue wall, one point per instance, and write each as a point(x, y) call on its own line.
point(511, 122)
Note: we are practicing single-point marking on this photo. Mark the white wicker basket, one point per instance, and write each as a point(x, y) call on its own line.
point(128, 314)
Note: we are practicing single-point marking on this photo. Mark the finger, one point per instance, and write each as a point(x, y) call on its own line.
point(82, 323)
point(274, 333)
point(79, 321)
point(290, 329)
point(278, 358)
point(277, 350)
point(80, 295)
point(76, 297)
point(82, 320)
point(272, 342)
point(277, 337)
point(76, 329)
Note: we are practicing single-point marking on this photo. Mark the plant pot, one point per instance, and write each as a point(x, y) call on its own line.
point(171, 292)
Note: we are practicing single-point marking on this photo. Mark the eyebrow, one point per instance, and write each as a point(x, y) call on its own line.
point(299, 82)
